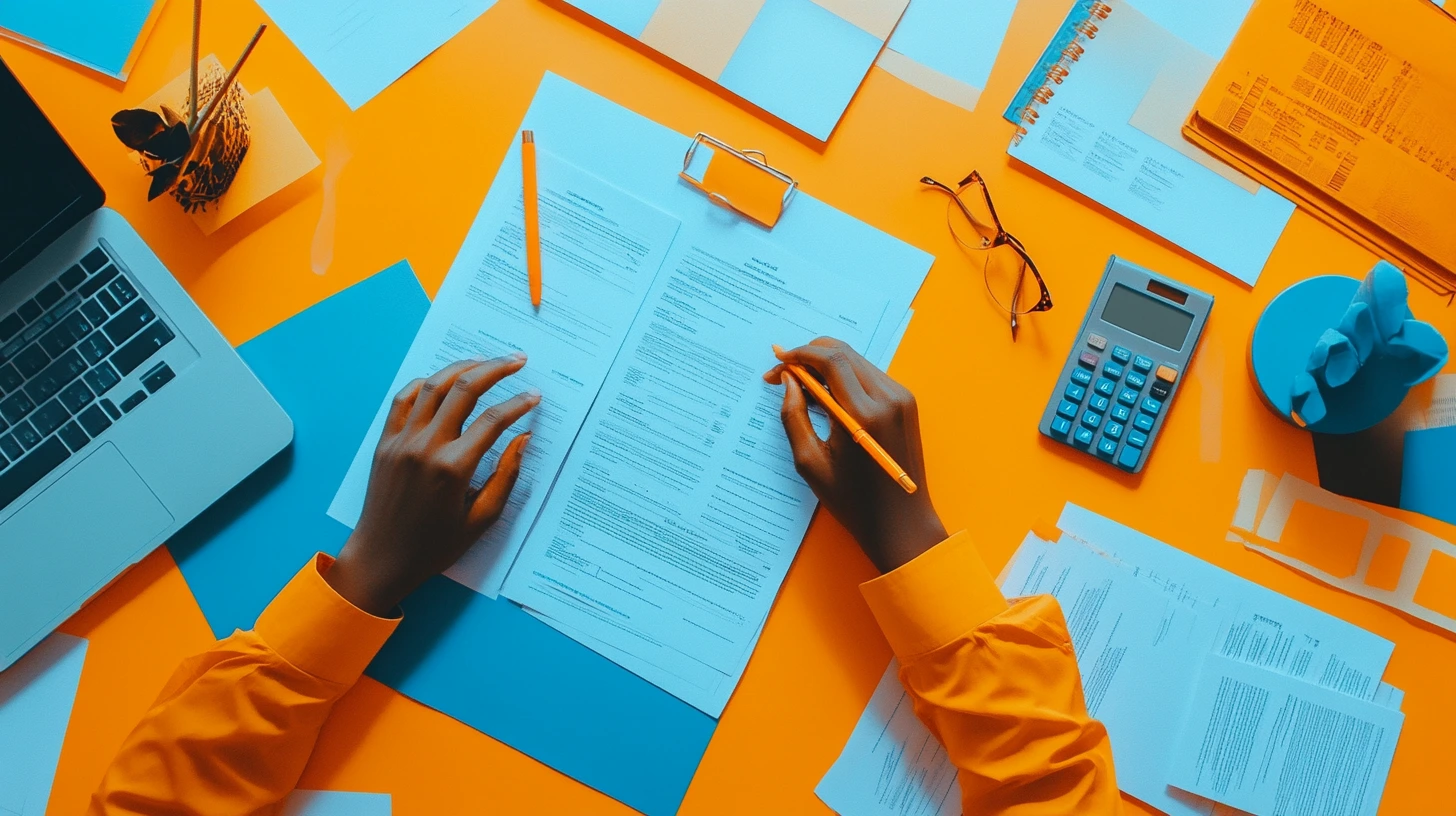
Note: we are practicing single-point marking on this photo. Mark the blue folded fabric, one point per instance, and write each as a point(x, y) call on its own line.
point(484, 662)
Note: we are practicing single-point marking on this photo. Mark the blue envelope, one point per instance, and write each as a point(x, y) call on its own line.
point(484, 662)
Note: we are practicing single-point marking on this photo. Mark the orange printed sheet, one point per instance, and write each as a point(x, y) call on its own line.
point(1349, 108)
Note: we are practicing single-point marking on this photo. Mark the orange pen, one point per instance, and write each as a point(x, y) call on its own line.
point(856, 430)
point(533, 216)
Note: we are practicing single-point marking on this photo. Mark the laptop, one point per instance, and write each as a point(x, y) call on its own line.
point(123, 412)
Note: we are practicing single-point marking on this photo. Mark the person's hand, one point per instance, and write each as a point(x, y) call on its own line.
point(420, 514)
point(892, 526)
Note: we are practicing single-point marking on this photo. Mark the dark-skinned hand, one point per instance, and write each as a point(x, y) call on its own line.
point(420, 513)
point(891, 526)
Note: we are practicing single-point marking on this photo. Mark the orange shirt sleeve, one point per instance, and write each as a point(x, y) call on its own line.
point(233, 729)
point(997, 684)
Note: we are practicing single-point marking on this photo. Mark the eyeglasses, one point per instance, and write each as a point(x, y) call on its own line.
point(973, 222)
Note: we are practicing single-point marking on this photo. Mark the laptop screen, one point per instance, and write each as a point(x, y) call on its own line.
point(44, 188)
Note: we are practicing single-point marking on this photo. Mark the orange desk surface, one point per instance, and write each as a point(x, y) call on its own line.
point(411, 168)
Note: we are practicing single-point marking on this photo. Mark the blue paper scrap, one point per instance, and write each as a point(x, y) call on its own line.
point(1428, 469)
point(99, 34)
point(36, 696)
point(336, 803)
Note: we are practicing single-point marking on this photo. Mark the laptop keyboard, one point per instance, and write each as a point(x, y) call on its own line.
point(61, 354)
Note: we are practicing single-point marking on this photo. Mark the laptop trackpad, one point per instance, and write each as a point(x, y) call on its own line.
point(71, 539)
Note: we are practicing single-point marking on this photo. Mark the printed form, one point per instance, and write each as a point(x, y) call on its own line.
point(601, 250)
point(678, 512)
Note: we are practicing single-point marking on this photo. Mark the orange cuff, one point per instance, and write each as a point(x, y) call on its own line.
point(314, 628)
point(936, 598)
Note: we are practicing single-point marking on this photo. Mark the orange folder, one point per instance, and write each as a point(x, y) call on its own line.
point(1347, 108)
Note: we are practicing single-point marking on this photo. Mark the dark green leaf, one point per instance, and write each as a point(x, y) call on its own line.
point(170, 144)
point(135, 127)
point(162, 179)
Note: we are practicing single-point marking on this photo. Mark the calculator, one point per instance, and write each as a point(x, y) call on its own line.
point(1129, 361)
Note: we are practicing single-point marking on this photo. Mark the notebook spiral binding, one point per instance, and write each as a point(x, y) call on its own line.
point(1055, 65)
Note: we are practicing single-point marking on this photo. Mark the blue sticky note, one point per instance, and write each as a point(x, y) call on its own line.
point(802, 63)
point(484, 662)
point(336, 803)
point(958, 38)
point(99, 34)
point(1428, 469)
point(36, 696)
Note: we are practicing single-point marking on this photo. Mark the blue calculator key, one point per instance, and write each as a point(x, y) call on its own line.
point(1136, 380)
point(1151, 406)
point(1121, 354)
point(1128, 459)
point(1091, 419)
point(1089, 360)
point(1143, 423)
point(1067, 409)
point(1128, 397)
point(1121, 413)
point(1061, 426)
point(1081, 376)
point(1113, 430)
point(1142, 364)
point(1082, 438)
point(1106, 447)
point(1112, 370)
point(1077, 393)
point(1099, 404)
point(1137, 439)
point(1106, 387)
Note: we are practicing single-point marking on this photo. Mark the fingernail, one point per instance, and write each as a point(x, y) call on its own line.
point(478, 358)
point(519, 355)
point(533, 394)
point(778, 351)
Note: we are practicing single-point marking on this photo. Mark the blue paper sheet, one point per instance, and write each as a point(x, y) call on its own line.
point(36, 696)
point(336, 803)
point(1428, 470)
point(99, 34)
point(958, 38)
point(483, 662)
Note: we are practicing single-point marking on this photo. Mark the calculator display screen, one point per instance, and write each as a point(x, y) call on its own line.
point(1147, 316)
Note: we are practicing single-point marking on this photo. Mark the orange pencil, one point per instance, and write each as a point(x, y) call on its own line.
point(533, 216)
point(856, 430)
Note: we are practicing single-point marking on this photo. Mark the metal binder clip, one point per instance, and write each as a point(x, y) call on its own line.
point(760, 195)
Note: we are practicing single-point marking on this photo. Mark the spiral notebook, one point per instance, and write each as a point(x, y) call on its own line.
point(1102, 113)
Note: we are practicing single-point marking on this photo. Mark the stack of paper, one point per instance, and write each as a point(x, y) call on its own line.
point(1154, 629)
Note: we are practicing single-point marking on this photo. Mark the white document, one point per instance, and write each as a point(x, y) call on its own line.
point(679, 510)
point(601, 250)
point(892, 765)
point(1268, 744)
point(36, 697)
point(362, 46)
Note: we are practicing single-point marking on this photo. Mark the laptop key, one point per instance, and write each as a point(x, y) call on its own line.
point(25, 432)
point(108, 302)
point(94, 420)
point(97, 281)
point(111, 408)
point(24, 474)
point(94, 260)
point(94, 348)
point(49, 295)
point(56, 376)
point(102, 378)
point(139, 348)
point(16, 406)
point(65, 334)
point(49, 417)
point(31, 361)
point(74, 437)
point(133, 401)
point(10, 378)
point(11, 326)
point(76, 396)
point(11, 446)
point(129, 322)
point(94, 312)
point(122, 288)
point(73, 277)
point(29, 311)
point(156, 378)
point(3, 461)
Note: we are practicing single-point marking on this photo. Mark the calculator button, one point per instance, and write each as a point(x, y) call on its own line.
point(1160, 390)
point(1128, 397)
point(1143, 364)
point(1121, 413)
point(1112, 370)
point(1151, 406)
point(1113, 430)
point(1067, 409)
point(1106, 387)
point(1121, 354)
point(1137, 439)
point(1061, 426)
point(1099, 404)
point(1081, 376)
point(1082, 438)
point(1077, 393)
point(1128, 459)
point(1167, 374)
point(1097, 341)
point(1135, 380)
point(1144, 423)
point(1089, 360)
point(1091, 419)
point(1106, 447)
